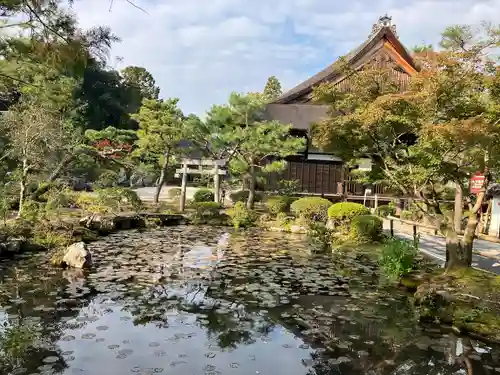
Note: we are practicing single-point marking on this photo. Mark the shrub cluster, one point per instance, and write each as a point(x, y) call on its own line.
point(242, 196)
point(205, 210)
point(277, 204)
point(365, 228)
point(398, 257)
point(203, 195)
point(241, 217)
point(344, 212)
point(311, 208)
point(385, 211)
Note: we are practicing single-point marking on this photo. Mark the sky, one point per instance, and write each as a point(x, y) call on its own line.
point(202, 50)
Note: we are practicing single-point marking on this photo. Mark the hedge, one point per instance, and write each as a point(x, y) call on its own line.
point(203, 195)
point(311, 208)
point(344, 212)
point(277, 204)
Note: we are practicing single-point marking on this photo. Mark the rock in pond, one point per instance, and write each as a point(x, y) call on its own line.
point(11, 246)
point(99, 223)
point(76, 255)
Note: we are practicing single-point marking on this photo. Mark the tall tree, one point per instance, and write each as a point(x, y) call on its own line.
point(441, 129)
point(261, 145)
point(160, 131)
point(34, 133)
point(140, 79)
point(272, 90)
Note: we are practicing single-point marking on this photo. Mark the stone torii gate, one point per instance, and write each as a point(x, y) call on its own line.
point(215, 170)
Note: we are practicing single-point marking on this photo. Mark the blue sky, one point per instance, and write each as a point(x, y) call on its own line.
point(200, 51)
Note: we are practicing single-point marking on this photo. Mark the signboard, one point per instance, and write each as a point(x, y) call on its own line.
point(476, 183)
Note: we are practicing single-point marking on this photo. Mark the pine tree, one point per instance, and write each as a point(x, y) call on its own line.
point(272, 91)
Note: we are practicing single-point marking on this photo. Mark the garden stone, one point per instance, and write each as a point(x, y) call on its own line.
point(297, 229)
point(13, 245)
point(76, 255)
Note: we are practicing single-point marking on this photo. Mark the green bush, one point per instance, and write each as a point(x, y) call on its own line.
point(277, 204)
point(110, 200)
point(398, 257)
point(406, 215)
point(203, 195)
point(311, 208)
point(288, 187)
point(242, 196)
point(205, 210)
point(344, 212)
point(385, 211)
point(174, 193)
point(241, 217)
point(107, 179)
point(366, 228)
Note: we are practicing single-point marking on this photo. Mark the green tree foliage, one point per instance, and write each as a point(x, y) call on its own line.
point(35, 133)
point(160, 131)
point(141, 81)
point(262, 145)
point(441, 129)
point(60, 68)
point(102, 99)
point(272, 90)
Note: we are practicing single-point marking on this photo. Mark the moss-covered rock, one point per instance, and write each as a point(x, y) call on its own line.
point(467, 299)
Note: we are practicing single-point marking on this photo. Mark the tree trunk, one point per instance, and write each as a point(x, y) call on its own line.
point(163, 177)
point(458, 212)
point(470, 231)
point(468, 237)
point(22, 186)
point(453, 250)
point(251, 191)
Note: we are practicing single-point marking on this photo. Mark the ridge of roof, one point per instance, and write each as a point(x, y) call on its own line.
point(330, 71)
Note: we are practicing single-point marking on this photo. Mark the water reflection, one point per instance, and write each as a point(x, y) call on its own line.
point(200, 301)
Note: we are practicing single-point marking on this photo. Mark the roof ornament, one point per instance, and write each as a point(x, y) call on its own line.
point(384, 21)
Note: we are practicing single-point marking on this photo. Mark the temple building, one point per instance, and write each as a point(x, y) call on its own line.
point(323, 173)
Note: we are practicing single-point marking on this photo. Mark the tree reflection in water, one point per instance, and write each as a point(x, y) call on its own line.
point(261, 286)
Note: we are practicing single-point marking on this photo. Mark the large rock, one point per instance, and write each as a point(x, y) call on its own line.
point(11, 246)
point(76, 255)
point(98, 222)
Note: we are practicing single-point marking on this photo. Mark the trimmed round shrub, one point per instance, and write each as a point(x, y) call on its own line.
point(344, 212)
point(242, 196)
point(311, 208)
point(366, 228)
point(203, 195)
point(174, 193)
point(277, 204)
point(385, 211)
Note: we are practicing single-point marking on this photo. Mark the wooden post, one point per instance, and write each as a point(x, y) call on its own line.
point(216, 183)
point(414, 233)
point(376, 202)
point(182, 203)
point(391, 223)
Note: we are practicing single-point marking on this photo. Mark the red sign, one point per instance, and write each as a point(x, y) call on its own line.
point(476, 182)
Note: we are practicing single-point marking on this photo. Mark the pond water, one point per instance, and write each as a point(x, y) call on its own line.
point(198, 300)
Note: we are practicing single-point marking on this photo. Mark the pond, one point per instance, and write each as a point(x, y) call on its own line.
point(199, 300)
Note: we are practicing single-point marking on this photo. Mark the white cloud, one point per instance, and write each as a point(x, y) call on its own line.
point(201, 50)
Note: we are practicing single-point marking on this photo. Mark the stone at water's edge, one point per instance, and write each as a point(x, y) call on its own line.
point(11, 246)
point(76, 255)
point(465, 299)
